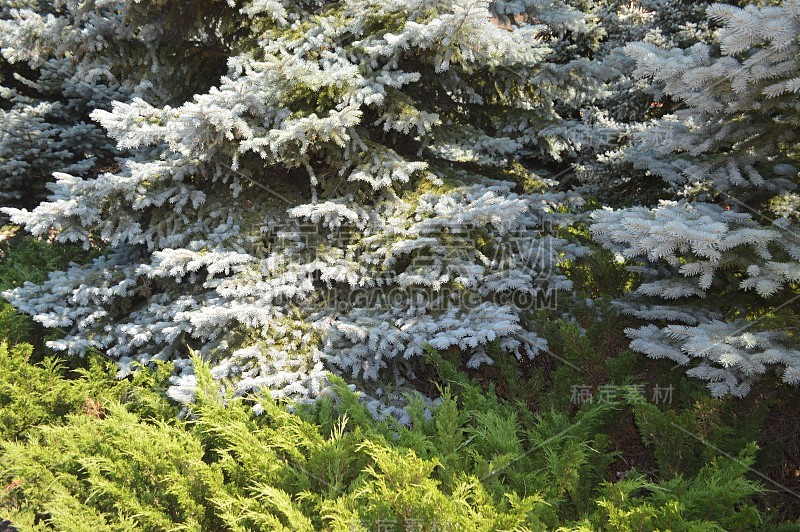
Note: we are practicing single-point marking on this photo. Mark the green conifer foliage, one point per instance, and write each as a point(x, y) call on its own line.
point(113, 454)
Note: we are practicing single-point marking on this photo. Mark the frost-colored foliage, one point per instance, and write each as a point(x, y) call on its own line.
point(727, 253)
point(346, 194)
point(739, 108)
point(61, 60)
point(47, 98)
point(626, 103)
